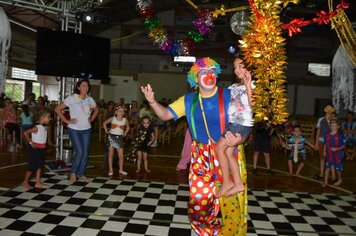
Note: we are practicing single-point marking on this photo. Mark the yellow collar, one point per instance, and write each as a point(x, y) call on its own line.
point(210, 95)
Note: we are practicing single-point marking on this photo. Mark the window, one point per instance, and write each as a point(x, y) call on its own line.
point(14, 89)
point(18, 73)
point(319, 69)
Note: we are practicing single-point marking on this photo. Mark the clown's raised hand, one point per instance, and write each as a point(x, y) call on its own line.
point(149, 93)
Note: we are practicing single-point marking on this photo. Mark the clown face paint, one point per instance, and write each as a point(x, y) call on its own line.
point(207, 78)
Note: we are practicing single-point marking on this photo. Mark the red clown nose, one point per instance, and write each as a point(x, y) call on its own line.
point(210, 79)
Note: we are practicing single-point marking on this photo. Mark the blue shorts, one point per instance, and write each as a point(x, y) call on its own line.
point(338, 166)
point(244, 131)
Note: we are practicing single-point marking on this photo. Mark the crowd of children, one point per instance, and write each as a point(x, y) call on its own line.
point(334, 141)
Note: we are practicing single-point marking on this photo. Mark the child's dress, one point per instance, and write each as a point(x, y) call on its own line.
point(240, 111)
point(145, 138)
point(115, 137)
point(139, 142)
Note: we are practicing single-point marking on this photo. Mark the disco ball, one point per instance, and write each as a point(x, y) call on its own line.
point(239, 21)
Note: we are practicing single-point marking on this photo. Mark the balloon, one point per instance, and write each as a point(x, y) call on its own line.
point(239, 21)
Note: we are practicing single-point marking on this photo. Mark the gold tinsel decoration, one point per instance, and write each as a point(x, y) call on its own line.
point(347, 36)
point(263, 49)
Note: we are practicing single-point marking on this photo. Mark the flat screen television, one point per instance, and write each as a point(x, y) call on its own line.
point(68, 54)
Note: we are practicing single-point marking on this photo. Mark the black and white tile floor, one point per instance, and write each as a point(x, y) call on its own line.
point(129, 207)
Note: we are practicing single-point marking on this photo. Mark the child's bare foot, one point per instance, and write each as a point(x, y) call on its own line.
point(147, 170)
point(324, 185)
point(298, 175)
point(235, 189)
point(290, 174)
point(26, 185)
point(223, 189)
point(337, 183)
point(138, 171)
point(41, 185)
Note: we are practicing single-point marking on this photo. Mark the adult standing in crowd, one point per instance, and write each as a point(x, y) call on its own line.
point(8, 117)
point(83, 111)
point(146, 111)
point(30, 101)
point(206, 112)
point(349, 129)
point(262, 143)
point(46, 102)
point(40, 108)
point(323, 128)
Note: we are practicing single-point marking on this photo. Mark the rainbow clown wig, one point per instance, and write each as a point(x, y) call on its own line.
point(201, 63)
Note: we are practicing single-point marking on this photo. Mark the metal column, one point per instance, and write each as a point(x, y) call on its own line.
point(66, 84)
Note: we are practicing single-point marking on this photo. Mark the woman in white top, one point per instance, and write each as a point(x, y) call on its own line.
point(82, 110)
point(119, 129)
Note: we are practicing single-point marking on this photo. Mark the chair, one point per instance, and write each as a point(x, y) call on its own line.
point(6, 139)
point(164, 135)
point(308, 130)
point(3, 137)
point(180, 128)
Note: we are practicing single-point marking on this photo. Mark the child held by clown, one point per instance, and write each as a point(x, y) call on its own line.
point(240, 124)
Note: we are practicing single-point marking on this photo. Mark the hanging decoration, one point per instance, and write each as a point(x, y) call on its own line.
point(343, 27)
point(203, 25)
point(343, 81)
point(263, 49)
point(344, 62)
point(5, 39)
point(322, 17)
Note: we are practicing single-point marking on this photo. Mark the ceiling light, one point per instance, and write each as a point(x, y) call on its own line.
point(88, 18)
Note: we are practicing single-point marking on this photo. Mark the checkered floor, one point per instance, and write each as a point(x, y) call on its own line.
point(130, 207)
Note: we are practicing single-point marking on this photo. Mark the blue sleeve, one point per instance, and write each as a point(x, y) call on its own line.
point(175, 116)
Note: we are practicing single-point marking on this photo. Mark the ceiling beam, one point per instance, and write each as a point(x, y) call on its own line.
point(33, 5)
point(53, 7)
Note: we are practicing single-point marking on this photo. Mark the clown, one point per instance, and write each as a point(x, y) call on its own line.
point(206, 113)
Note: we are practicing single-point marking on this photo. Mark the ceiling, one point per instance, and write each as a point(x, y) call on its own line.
point(48, 13)
point(26, 16)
